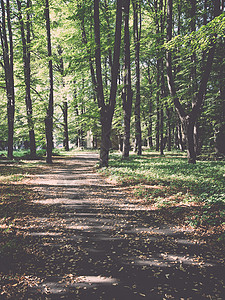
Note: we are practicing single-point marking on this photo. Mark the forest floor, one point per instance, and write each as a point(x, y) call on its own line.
point(69, 233)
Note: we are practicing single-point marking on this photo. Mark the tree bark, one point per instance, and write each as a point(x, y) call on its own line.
point(169, 128)
point(194, 76)
point(64, 106)
point(181, 142)
point(8, 68)
point(127, 92)
point(107, 110)
point(150, 111)
point(27, 75)
point(92, 71)
point(157, 106)
point(137, 113)
point(49, 115)
point(188, 119)
point(220, 132)
point(162, 80)
point(65, 125)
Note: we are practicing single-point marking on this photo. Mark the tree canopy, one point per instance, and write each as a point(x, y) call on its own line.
point(113, 75)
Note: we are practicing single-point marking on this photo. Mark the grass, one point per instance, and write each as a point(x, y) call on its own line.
point(25, 154)
point(169, 181)
point(164, 182)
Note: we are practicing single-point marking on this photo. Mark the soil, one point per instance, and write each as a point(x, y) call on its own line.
point(83, 237)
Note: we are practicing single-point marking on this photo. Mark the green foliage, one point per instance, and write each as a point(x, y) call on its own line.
point(170, 180)
point(202, 39)
point(72, 33)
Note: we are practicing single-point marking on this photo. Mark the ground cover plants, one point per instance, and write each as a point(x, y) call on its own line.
point(195, 191)
point(162, 221)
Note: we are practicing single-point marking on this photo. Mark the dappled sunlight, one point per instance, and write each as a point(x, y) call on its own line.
point(71, 281)
point(51, 234)
point(167, 260)
point(90, 241)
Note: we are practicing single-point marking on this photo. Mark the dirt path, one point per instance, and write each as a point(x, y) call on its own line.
point(84, 239)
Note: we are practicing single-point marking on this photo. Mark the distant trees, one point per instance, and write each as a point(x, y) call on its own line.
point(109, 61)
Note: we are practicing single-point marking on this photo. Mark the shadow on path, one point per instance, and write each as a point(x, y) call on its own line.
point(84, 239)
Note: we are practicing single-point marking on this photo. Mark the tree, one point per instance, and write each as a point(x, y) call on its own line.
point(26, 40)
point(83, 51)
point(188, 120)
point(127, 92)
point(64, 105)
point(8, 56)
point(107, 109)
point(49, 114)
point(137, 37)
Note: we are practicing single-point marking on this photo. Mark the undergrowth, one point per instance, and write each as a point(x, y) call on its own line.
point(169, 181)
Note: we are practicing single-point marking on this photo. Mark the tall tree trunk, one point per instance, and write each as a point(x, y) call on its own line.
point(137, 113)
point(188, 119)
point(127, 92)
point(149, 141)
point(90, 59)
point(194, 76)
point(150, 111)
point(181, 142)
point(65, 125)
point(108, 33)
point(220, 133)
point(158, 73)
point(27, 75)
point(169, 128)
point(157, 107)
point(162, 140)
point(107, 110)
point(162, 80)
point(49, 115)
point(64, 106)
point(8, 68)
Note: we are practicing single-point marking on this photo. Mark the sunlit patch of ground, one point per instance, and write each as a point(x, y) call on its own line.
point(95, 241)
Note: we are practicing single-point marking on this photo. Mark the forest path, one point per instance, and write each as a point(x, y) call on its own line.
point(87, 240)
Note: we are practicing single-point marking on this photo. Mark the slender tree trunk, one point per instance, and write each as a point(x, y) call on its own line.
point(65, 125)
point(162, 80)
point(64, 106)
point(181, 142)
point(150, 142)
point(188, 120)
point(220, 133)
point(107, 110)
point(127, 92)
point(27, 75)
point(157, 107)
point(49, 115)
point(169, 129)
point(150, 111)
point(85, 42)
point(108, 33)
point(194, 76)
point(162, 140)
point(8, 68)
point(137, 113)
point(158, 73)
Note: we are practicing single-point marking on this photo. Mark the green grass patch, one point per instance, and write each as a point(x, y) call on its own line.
point(166, 181)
